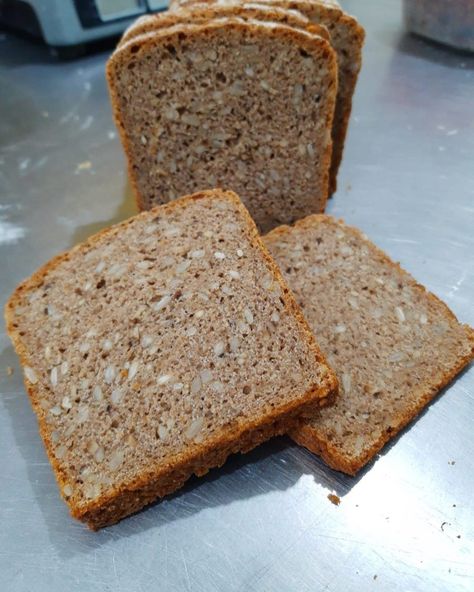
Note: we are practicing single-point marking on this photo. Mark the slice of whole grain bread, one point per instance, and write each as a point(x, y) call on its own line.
point(157, 348)
point(392, 343)
point(245, 105)
point(347, 38)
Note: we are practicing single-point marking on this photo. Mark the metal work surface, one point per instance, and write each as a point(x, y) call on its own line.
point(264, 521)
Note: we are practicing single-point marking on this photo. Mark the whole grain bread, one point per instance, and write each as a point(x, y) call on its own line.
point(202, 13)
point(157, 348)
point(392, 343)
point(245, 105)
point(347, 38)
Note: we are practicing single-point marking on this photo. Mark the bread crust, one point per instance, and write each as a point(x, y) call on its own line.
point(309, 437)
point(266, 13)
point(311, 43)
point(160, 480)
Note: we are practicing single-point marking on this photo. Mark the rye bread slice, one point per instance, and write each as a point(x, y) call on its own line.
point(202, 13)
point(392, 343)
point(242, 105)
point(347, 39)
point(157, 348)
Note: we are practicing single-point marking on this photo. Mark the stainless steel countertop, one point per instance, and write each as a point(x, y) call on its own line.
point(263, 522)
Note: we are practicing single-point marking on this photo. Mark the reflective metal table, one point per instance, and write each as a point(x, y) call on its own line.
point(264, 522)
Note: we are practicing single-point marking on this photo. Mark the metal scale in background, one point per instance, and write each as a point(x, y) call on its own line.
point(69, 25)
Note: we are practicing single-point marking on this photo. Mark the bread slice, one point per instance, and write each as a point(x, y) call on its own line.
point(347, 38)
point(242, 105)
point(157, 348)
point(393, 344)
point(202, 13)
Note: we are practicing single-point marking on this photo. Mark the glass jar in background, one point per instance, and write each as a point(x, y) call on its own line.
point(447, 21)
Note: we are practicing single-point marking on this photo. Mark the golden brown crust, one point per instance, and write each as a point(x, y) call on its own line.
point(166, 19)
point(313, 44)
point(161, 480)
point(308, 436)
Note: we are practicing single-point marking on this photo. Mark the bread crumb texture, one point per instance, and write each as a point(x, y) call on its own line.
point(392, 344)
point(158, 347)
point(244, 105)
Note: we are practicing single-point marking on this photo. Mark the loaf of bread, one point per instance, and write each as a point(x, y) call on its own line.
point(347, 38)
point(202, 13)
point(392, 344)
point(240, 104)
point(157, 348)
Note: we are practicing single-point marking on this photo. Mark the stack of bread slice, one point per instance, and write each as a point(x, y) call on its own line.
point(242, 96)
point(162, 345)
point(346, 37)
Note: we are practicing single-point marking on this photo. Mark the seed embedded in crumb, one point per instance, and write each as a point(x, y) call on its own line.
point(83, 414)
point(98, 396)
point(163, 432)
point(196, 385)
point(219, 255)
point(183, 266)
point(99, 454)
point(60, 451)
point(116, 460)
point(423, 319)
point(66, 403)
point(146, 341)
point(240, 253)
point(217, 386)
point(109, 374)
point(132, 371)
point(92, 446)
point(340, 329)
point(55, 410)
point(234, 344)
point(248, 315)
point(346, 382)
point(194, 428)
point(30, 375)
point(235, 275)
point(199, 314)
point(198, 253)
point(191, 331)
point(275, 317)
point(107, 345)
point(206, 376)
point(67, 490)
point(163, 379)
point(117, 395)
point(54, 376)
point(164, 301)
point(219, 348)
point(400, 314)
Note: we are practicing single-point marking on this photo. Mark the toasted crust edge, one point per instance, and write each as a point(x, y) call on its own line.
point(161, 20)
point(119, 502)
point(309, 437)
point(308, 41)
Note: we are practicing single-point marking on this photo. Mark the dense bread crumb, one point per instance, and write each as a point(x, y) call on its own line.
point(347, 38)
point(236, 104)
point(392, 344)
point(158, 347)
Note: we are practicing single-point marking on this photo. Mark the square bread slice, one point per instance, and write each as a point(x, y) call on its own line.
point(202, 13)
point(392, 343)
point(347, 39)
point(157, 348)
point(245, 105)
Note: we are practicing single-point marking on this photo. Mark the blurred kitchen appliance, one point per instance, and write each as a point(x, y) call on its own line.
point(67, 23)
